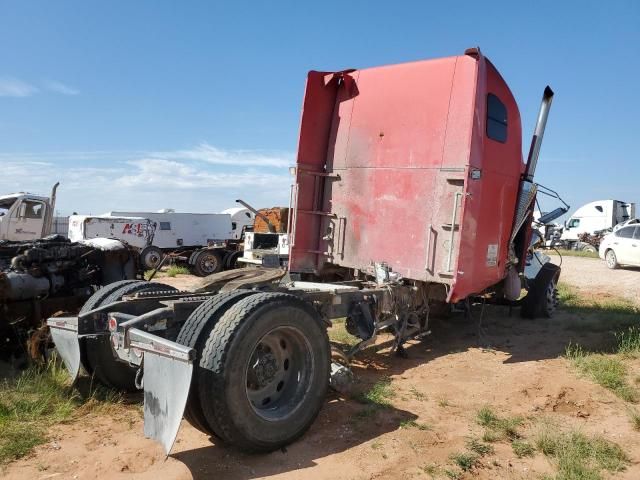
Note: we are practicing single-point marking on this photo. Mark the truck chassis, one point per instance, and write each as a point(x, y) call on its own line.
point(247, 358)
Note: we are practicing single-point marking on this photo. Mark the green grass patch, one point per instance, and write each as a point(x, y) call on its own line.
point(29, 405)
point(379, 394)
point(452, 474)
point(174, 270)
point(629, 341)
point(578, 456)
point(608, 371)
point(338, 333)
point(414, 424)
point(480, 448)
point(634, 416)
point(499, 427)
point(417, 394)
point(39, 398)
point(523, 448)
point(465, 460)
point(572, 301)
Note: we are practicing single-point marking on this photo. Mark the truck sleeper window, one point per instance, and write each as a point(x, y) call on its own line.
point(496, 119)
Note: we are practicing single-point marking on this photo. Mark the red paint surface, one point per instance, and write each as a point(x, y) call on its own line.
point(399, 142)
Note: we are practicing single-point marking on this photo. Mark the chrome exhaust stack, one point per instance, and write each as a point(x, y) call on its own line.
point(538, 133)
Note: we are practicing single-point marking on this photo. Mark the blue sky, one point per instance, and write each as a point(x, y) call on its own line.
point(193, 104)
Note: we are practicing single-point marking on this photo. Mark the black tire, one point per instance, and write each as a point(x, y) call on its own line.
point(151, 257)
point(226, 384)
point(100, 357)
point(231, 261)
point(586, 247)
point(207, 262)
point(542, 298)
point(95, 300)
point(194, 334)
point(611, 259)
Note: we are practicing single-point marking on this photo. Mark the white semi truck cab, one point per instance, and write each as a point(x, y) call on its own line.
point(596, 216)
point(25, 216)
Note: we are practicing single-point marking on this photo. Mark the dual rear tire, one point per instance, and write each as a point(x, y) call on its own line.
point(262, 368)
point(99, 359)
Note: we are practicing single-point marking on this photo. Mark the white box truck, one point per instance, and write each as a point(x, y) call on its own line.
point(206, 242)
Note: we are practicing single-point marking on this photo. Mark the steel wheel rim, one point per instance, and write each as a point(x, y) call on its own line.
point(208, 263)
point(279, 373)
point(152, 259)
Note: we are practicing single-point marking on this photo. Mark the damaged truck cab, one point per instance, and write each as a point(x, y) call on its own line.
point(417, 165)
point(410, 195)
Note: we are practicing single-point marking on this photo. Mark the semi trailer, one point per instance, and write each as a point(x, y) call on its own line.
point(410, 195)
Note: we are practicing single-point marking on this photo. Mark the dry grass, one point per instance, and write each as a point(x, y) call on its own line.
point(577, 253)
point(38, 399)
point(498, 427)
point(174, 270)
point(338, 334)
point(578, 456)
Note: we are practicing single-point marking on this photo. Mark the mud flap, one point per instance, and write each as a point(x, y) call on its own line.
point(64, 331)
point(167, 368)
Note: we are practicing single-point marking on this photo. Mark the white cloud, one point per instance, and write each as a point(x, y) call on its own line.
point(96, 182)
point(61, 88)
point(210, 154)
point(12, 87)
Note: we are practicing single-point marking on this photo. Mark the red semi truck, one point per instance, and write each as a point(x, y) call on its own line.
point(410, 194)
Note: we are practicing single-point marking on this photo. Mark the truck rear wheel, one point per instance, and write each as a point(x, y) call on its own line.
point(231, 261)
point(151, 257)
point(264, 371)
point(100, 359)
point(207, 262)
point(194, 334)
point(542, 298)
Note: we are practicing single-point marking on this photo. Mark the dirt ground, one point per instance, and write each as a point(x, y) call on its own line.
point(514, 365)
point(587, 274)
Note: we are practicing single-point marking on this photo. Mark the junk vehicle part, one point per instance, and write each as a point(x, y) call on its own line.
point(41, 277)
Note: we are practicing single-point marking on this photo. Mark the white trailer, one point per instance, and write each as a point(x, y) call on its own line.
point(137, 232)
point(174, 229)
point(595, 217)
point(205, 243)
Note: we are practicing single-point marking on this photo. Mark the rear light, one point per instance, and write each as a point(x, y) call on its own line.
point(113, 324)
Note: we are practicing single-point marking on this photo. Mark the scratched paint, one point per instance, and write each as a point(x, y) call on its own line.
point(398, 143)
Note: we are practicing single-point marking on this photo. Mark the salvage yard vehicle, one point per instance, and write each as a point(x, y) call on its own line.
point(621, 247)
point(206, 243)
point(25, 216)
point(41, 277)
point(593, 219)
point(410, 195)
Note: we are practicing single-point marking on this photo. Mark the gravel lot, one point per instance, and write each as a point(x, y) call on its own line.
point(591, 276)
